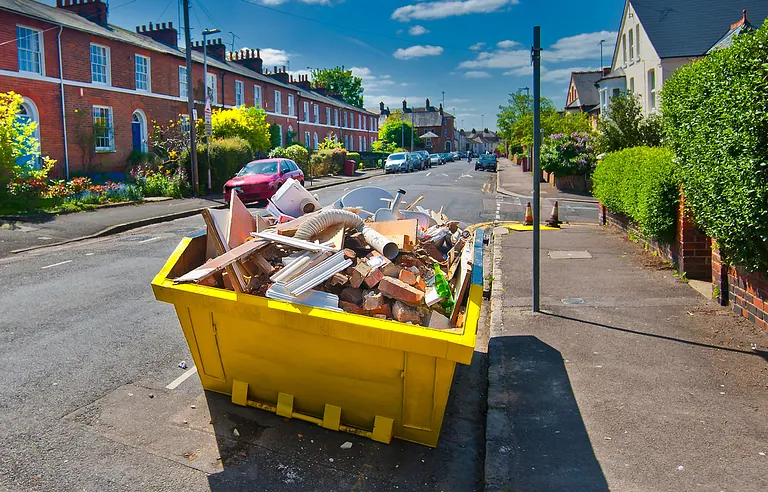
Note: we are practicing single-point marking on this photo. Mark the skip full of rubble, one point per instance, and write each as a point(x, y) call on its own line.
point(365, 255)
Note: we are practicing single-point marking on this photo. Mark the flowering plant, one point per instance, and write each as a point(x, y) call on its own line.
point(568, 154)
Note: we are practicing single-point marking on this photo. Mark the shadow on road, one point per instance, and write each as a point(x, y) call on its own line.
point(276, 454)
point(547, 447)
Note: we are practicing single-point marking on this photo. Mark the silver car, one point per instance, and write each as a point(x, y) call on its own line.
point(398, 162)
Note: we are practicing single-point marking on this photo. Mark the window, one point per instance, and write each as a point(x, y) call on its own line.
point(29, 42)
point(624, 48)
point(211, 86)
point(306, 111)
point(239, 93)
point(280, 132)
point(307, 143)
point(616, 92)
point(141, 66)
point(359, 143)
point(99, 64)
point(359, 121)
point(257, 95)
point(631, 45)
point(103, 129)
point(291, 109)
point(632, 85)
point(317, 113)
point(183, 82)
point(285, 167)
point(279, 106)
point(28, 114)
point(327, 116)
point(637, 40)
point(652, 89)
point(373, 139)
point(602, 99)
point(346, 142)
point(336, 117)
point(317, 143)
point(346, 122)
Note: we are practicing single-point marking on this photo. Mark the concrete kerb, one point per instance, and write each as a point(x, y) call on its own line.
point(127, 226)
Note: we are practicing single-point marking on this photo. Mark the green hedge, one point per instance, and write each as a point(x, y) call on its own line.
point(354, 156)
point(716, 120)
point(325, 162)
point(643, 184)
point(228, 155)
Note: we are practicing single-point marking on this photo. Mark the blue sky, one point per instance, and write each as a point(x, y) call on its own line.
point(476, 51)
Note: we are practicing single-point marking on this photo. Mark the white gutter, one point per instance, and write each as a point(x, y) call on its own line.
point(63, 108)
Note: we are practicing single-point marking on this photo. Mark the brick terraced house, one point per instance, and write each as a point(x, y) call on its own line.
point(94, 88)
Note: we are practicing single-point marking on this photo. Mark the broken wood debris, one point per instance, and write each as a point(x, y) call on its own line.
point(382, 268)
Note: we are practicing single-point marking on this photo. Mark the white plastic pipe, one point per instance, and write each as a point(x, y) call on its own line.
point(380, 243)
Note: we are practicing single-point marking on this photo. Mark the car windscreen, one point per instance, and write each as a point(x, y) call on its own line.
point(258, 168)
point(397, 157)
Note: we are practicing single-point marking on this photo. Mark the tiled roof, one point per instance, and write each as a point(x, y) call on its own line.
point(585, 87)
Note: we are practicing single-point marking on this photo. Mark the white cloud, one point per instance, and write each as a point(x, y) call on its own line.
point(449, 8)
point(581, 47)
point(499, 59)
point(457, 101)
point(417, 51)
point(477, 46)
point(417, 30)
point(526, 71)
point(394, 102)
point(561, 74)
point(272, 57)
point(477, 75)
point(280, 2)
point(371, 81)
point(507, 44)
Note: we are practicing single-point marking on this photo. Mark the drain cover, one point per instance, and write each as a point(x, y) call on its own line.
point(570, 255)
point(573, 300)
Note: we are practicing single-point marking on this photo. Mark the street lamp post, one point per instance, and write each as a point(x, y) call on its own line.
point(190, 100)
point(601, 53)
point(207, 32)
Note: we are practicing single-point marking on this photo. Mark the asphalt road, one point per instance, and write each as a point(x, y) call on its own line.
point(86, 355)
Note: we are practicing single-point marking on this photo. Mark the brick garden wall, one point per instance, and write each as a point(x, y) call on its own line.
point(745, 292)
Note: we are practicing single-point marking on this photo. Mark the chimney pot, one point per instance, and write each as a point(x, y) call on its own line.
point(137, 28)
point(170, 25)
point(258, 53)
point(163, 25)
point(150, 26)
point(144, 28)
point(427, 104)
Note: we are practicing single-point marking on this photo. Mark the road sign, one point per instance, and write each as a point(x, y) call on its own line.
point(208, 128)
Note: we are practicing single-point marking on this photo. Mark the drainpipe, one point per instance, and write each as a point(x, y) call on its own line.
point(63, 108)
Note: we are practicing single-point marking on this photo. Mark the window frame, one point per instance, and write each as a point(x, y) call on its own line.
point(239, 84)
point(307, 138)
point(40, 53)
point(305, 107)
point(651, 76)
point(336, 117)
point(631, 46)
point(110, 127)
point(278, 106)
point(624, 48)
point(136, 58)
point(328, 115)
point(291, 108)
point(107, 66)
point(316, 113)
point(215, 89)
point(258, 101)
point(185, 93)
point(637, 40)
point(316, 143)
point(346, 120)
point(280, 127)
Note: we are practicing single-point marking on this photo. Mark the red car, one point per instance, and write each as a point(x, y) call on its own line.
point(259, 180)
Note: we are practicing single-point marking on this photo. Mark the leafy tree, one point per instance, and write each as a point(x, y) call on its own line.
point(515, 121)
point(623, 126)
point(17, 138)
point(274, 136)
point(339, 80)
point(399, 133)
point(250, 124)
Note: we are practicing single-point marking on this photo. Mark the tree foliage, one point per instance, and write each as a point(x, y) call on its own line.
point(716, 120)
point(17, 137)
point(398, 132)
point(515, 120)
point(340, 81)
point(250, 124)
point(623, 126)
point(641, 183)
point(568, 154)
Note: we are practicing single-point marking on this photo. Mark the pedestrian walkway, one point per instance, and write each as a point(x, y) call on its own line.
point(513, 181)
point(44, 230)
point(628, 380)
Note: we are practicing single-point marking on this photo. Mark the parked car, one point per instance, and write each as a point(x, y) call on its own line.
point(425, 156)
point(259, 180)
point(486, 162)
point(447, 157)
point(462, 155)
point(398, 162)
point(436, 159)
point(419, 163)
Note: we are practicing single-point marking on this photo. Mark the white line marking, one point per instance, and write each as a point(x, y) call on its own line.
point(467, 176)
point(345, 189)
point(445, 175)
point(176, 382)
point(429, 173)
point(88, 254)
point(56, 264)
point(148, 240)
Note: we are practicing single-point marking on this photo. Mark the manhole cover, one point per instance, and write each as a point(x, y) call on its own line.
point(570, 255)
point(133, 239)
point(573, 300)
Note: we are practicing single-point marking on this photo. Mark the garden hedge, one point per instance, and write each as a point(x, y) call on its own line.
point(643, 184)
point(716, 119)
point(228, 155)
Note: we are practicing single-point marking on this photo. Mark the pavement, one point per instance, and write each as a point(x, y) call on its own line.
point(47, 229)
point(87, 355)
point(627, 380)
point(514, 182)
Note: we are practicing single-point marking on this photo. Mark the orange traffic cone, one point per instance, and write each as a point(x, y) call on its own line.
point(554, 220)
point(528, 215)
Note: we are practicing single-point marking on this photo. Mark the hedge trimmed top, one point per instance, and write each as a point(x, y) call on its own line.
point(716, 118)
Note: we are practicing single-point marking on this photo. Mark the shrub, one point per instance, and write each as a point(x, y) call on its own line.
point(623, 126)
point(250, 124)
point(716, 120)
point(643, 184)
point(299, 155)
point(354, 156)
point(228, 155)
point(163, 182)
point(325, 162)
point(277, 152)
point(568, 155)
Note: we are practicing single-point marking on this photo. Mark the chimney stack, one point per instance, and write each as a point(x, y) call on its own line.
point(427, 104)
point(303, 82)
point(281, 75)
point(215, 48)
point(161, 33)
point(93, 10)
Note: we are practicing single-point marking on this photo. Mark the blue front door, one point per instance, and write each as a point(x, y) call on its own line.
point(136, 135)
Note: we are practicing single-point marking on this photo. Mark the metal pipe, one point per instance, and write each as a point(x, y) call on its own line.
point(63, 107)
point(536, 164)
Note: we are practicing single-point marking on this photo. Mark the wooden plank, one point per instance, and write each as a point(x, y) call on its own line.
point(465, 278)
point(396, 227)
point(290, 228)
point(233, 271)
point(240, 224)
point(262, 264)
point(415, 202)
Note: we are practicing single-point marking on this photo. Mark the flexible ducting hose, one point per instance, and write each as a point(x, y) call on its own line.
point(334, 217)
